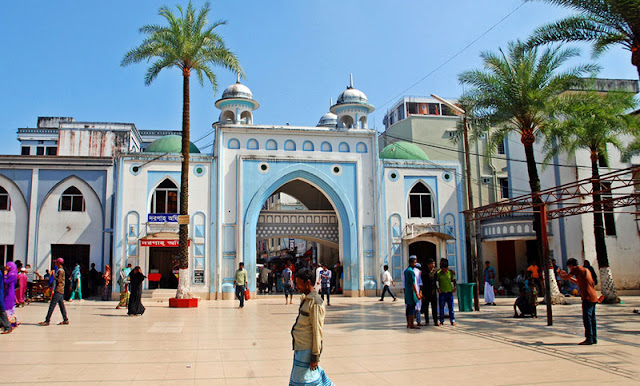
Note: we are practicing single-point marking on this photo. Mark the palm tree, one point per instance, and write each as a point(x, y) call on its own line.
point(592, 121)
point(603, 22)
point(188, 43)
point(511, 95)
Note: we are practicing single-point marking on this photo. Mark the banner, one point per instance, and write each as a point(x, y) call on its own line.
point(162, 217)
point(160, 243)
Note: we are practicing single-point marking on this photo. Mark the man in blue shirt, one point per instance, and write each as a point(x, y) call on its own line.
point(287, 277)
point(411, 293)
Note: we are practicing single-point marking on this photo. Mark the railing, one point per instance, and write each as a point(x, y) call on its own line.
point(414, 230)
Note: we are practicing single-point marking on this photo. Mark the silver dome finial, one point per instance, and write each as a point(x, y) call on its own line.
point(238, 78)
point(330, 102)
point(351, 80)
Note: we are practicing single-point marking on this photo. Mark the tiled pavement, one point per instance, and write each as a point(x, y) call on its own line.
point(366, 343)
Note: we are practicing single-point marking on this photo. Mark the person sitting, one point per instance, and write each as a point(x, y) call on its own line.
point(523, 303)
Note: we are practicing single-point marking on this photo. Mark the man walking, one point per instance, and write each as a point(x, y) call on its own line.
point(582, 277)
point(387, 280)
point(430, 292)
point(446, 284)
point(411, 293)
point(58, 296)
point(489, 283)
point(241, 282)
point(307, 334)
point(325, 278)
point(287, 277)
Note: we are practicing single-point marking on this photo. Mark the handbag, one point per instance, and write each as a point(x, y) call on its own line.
point(247, 294)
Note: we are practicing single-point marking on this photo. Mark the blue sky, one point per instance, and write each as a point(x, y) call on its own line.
point(63, 58)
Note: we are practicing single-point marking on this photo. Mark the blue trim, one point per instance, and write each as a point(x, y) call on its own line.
point(343, 147)
point(252, 144)
point(337, 196)
point(289, 145)
point(462, 271)
point(361, 147)
point(233, 144)
point(271, 145)
point(326, 147)
point(118, 228)
point(307, 146)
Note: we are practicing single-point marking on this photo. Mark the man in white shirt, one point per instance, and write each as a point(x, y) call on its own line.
point(386, 281)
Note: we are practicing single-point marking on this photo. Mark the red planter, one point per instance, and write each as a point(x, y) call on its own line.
point(183, 303)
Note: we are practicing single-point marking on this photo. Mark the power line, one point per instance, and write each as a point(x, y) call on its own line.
point(454, 56)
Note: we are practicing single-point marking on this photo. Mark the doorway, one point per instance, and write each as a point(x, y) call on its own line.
point(73, 254)
point(423, 250)
point(162, 261)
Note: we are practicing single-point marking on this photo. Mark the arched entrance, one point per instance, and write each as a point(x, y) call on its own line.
point(297, 225)
point(424, 250)
point(305, 174)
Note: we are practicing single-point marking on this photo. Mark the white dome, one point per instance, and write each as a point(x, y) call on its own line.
point(328, 120)
point(352, 95)
point(237, 90)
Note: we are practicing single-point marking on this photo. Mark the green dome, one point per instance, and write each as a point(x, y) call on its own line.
point(170, 144)
point(403, 150)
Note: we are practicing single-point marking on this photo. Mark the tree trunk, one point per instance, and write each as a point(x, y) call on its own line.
point(184, 283)
point(608, 288)
point(551, 286)
point(635, 58)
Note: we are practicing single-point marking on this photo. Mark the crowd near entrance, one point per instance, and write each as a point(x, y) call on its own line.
point(74, 254)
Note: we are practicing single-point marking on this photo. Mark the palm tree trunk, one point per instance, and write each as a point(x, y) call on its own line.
point(635, 58)
point(608, 287)
point(184, 287)
point(552, 292)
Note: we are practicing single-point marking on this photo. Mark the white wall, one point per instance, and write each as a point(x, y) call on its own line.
point(14, 222)
point(57, 227)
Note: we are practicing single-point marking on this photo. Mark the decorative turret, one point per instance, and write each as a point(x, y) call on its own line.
point(237, 105)
point(352, 108)
point(328, 119)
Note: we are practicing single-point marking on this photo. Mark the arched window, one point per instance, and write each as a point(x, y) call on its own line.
point(346, 122)
point(165, 198)
point(71, 200)
point(289, 145)
point(246, 118)
point(5, 200)
point(420, 201)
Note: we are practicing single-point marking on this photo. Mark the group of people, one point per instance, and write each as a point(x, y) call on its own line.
point(425, 289)
point(324, 282)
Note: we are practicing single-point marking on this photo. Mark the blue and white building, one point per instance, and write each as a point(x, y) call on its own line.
point(363, 207)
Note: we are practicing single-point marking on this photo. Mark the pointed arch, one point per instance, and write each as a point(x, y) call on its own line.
point(420, 201)
point(165, 197)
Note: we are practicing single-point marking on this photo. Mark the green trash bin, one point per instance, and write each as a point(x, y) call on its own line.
point(465, 297)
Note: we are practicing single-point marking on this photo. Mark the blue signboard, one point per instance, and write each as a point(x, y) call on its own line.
point(162, 217)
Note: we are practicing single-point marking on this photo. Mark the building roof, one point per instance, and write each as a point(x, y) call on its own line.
point(170, 144)
point(403, 150)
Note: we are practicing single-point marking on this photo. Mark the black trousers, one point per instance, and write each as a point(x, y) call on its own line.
point(58, 299)
point(433, 301)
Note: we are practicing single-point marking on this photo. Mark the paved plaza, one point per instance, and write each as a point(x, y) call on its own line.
point(366, 343)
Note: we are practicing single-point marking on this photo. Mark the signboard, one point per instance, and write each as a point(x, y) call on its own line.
point(160, 243)
point(198, 277)
point(162, 217)
point(292, 243)
point(183, 219)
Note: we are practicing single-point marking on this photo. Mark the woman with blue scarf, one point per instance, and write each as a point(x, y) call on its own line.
point(76, 285)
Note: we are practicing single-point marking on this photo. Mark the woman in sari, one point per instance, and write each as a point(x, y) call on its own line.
point(124, 289)
point(22, 285)
point(76, 284)
point(135, 299)
point(106, 291)
point(10, 278)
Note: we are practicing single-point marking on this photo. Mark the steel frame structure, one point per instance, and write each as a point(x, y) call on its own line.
point(566, 200)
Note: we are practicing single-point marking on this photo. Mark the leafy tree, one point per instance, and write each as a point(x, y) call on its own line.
point(603, 22)
point(593, 121)
point(511, 95)
point(189, 43)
